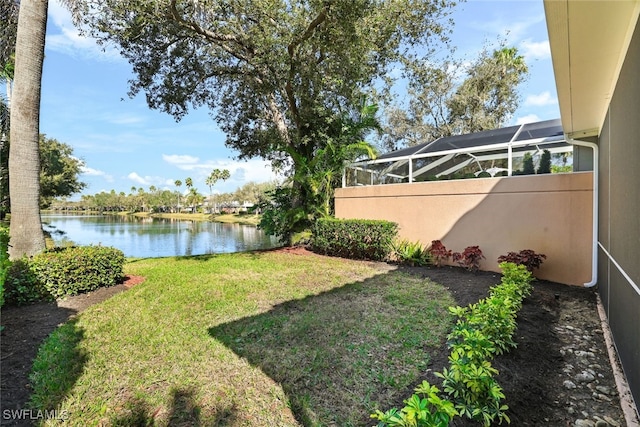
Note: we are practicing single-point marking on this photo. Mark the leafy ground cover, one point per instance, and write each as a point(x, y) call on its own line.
point(283, 338)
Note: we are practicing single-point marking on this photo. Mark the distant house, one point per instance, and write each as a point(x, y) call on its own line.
point(595, 47)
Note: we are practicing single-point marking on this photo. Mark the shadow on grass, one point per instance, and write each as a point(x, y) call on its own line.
point(182, 411)
point(57, 366)
point(340, 354)
point(24, 329)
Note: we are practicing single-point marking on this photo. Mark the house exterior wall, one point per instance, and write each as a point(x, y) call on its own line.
point(619, 215)
point(550, 214)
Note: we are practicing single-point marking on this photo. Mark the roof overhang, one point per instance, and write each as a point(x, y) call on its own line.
point(589, 42)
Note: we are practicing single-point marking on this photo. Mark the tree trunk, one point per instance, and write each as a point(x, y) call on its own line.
point(26, 233)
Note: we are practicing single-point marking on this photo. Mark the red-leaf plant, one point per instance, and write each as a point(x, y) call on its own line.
point(439, 253)
point(469, 258)
point(525, 257)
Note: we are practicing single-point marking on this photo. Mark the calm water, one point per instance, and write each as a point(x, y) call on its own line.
point(153, 237)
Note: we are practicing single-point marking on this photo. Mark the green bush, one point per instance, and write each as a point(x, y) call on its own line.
point(21, 285)
point(545, 162)
point(410, 253)
point(354, 238)
point(4, 259)
point(481, 331)
point(73, 270)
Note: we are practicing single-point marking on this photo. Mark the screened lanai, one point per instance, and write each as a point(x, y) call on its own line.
point(498, 152)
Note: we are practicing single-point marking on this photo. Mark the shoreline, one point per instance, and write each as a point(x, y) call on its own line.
point(242, 219)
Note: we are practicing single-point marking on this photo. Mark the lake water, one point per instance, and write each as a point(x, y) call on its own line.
point(155, 237)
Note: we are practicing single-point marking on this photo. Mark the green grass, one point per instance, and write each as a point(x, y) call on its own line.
point(260, 339)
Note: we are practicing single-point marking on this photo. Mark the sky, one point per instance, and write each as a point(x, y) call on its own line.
point(125, 144)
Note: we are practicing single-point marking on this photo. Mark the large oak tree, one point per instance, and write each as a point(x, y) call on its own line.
point(279, 76)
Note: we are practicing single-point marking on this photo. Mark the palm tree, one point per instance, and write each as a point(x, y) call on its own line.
point(27, 237)
point(216, 175)
point(178, 184)
point(189, 183)
point(194, 198)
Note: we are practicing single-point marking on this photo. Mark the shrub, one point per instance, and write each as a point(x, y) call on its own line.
point(469, 258)
point(22, 285)
point(279, 217)
point(545, 162)
point(411, 253)
point(525, 257)
point(423, 409)
point(527, 165)
point(354, 238)
point(439, 253)
point(73, 270)
point(4, 259)
point(481, 331)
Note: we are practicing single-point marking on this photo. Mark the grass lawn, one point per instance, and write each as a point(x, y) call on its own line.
point(259, 339)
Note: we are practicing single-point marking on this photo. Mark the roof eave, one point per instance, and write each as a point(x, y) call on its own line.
point(589, 41)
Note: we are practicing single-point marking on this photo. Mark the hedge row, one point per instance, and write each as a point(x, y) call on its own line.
point(62, 272)
point(354, 238)
point(482, 330)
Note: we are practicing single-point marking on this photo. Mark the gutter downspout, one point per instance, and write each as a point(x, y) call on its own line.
point(594, 249)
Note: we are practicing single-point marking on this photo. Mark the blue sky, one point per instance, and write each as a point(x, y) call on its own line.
point(125, 144)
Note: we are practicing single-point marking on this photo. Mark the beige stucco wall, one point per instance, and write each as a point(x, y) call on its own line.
point(550, 214)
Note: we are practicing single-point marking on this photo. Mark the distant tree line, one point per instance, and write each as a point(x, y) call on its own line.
point(158, 200)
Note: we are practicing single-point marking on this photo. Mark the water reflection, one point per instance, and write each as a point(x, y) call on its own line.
point(157, 237)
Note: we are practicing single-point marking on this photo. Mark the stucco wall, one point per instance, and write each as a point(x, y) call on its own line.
point(550, 214)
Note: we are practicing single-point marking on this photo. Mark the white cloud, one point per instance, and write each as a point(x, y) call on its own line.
point(184, 162)
point(241, 172)
point(137, 178)
point(535, 50)
point(95, 172)
point(541, 100)
point(147, 180)
point(66, 38)
point(529, 118)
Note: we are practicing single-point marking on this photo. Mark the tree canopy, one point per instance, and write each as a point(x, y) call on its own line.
point(453, 97)
point(277, 75)
point(59, 171)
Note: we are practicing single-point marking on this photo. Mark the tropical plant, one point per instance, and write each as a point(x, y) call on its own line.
point(423, 409)
point(194, 198)
point(439, 253)
point(469, 258)
point(178, 184)
point(527, 257)
point(411, 253)
point(214, 177)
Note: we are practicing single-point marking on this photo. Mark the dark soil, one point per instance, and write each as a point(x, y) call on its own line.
point(557, 326)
